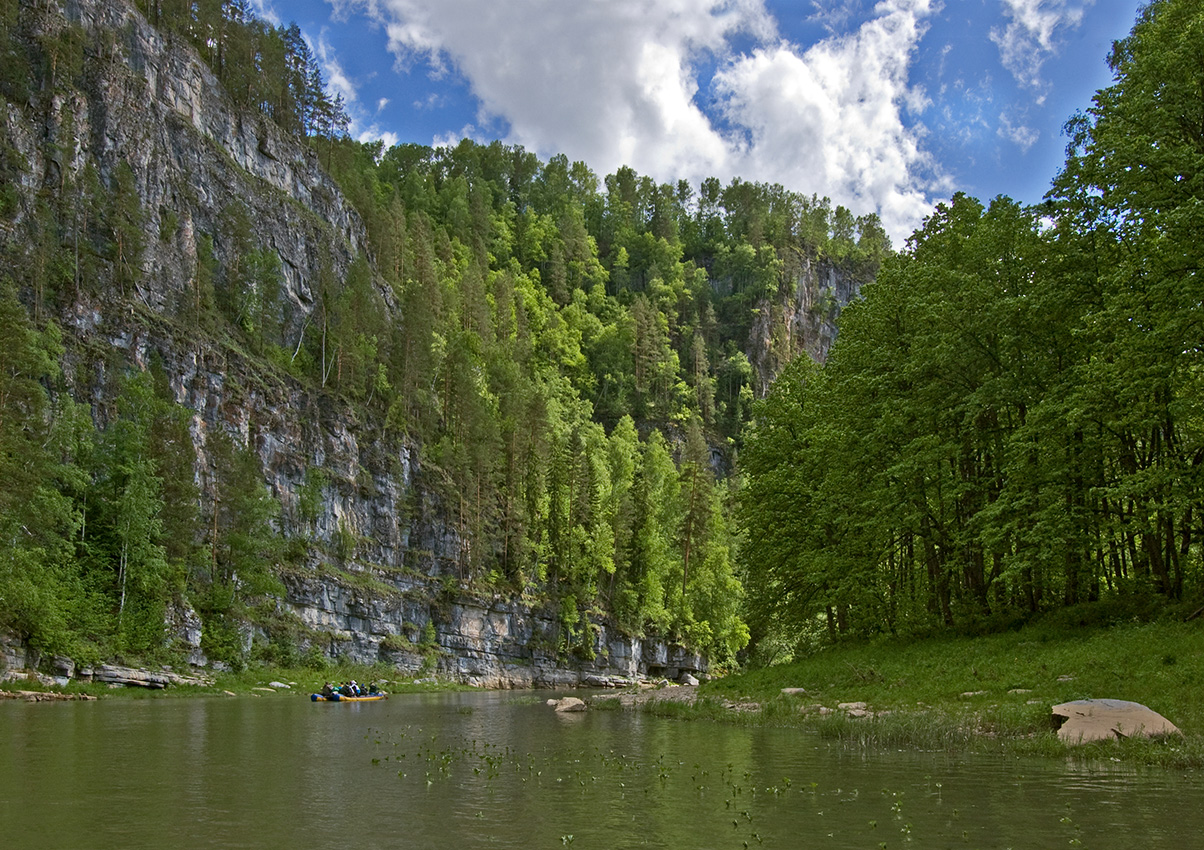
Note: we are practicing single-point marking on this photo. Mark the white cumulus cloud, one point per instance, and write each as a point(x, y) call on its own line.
point(830, 119)
point(627, 82)
point(362, 127)
point(264, 9)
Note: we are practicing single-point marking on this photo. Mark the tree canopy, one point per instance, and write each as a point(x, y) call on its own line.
point(1009, 421)
point(570, 356)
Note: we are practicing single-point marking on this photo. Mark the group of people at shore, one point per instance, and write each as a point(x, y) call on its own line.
point(348, 689)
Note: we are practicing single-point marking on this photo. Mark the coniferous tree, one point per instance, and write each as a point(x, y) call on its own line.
point(38, 518)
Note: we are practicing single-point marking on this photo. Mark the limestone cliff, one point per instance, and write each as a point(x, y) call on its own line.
point(382, 581)
point(802, 318)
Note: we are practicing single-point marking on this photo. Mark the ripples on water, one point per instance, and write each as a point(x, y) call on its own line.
point(505, 771)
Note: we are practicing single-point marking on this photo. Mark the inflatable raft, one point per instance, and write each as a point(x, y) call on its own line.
point(341, 698)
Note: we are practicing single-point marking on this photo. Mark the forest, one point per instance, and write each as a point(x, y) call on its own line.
point(568, 354)
point(1009, 423)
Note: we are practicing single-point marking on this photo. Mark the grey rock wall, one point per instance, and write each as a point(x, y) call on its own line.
point(489, 642)
point(485, 641)
point(802, 319)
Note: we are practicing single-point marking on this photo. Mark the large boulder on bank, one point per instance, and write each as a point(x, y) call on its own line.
point(137, 677)
point(1084, 720)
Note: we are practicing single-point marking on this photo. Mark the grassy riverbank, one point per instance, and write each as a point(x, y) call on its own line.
point(984, 693)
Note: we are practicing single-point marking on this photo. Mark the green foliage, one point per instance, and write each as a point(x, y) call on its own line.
point(991, 692)
point(11, 165)
point(534, 308)
point(127, 226)
point(344, 542)
point(428, 641)
point(242, 542)
point(315, 659)
point(1010, 422)
point(538, 322)
point(125, 558)
point(309, 498)
point(563, 351)
point(38, 517)
point(172, 451)
point(1010, 419)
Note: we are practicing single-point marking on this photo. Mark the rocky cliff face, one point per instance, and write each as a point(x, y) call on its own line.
point(153, 105)
point(490, 642)
point(801, 319)
point(391, 593)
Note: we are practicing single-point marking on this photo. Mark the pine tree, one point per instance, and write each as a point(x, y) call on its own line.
point(38, 520)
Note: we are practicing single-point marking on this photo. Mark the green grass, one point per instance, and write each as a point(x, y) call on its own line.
point(986, 693)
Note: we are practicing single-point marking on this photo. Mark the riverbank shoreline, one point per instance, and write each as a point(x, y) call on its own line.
point(991, 693)
point(987, 693)
point(256, 682)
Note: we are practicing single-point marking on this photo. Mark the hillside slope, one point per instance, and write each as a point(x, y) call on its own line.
point(386, 428)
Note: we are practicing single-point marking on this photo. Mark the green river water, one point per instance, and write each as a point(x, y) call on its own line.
point(503, 770)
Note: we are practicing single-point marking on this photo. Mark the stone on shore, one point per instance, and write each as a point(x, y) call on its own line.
point(611, 682)
point(44, 696)
point(27, 676)
point(1084, 720)
point(113, 674)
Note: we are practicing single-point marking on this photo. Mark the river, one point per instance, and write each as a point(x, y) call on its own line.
point(502, 770)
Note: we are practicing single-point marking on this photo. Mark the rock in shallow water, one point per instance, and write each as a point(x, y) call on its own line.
point(570, 704)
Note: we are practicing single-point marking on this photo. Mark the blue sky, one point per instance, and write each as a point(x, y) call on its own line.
point(886, 106)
